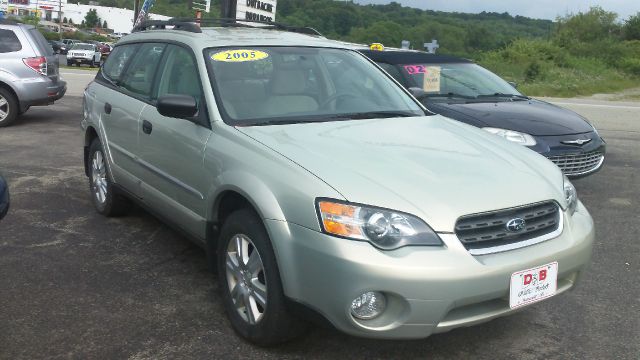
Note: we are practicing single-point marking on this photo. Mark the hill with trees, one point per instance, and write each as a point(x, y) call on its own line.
point(582, 53)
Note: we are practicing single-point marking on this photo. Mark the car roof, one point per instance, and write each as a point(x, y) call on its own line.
point(236, 37)
point(411, 57)
point(5, 23)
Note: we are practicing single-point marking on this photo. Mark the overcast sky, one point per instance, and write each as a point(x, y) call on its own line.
point(542, 9)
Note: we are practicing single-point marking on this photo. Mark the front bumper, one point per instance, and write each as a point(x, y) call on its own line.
point(79, 60)
point(428, 289)
point(573, 159)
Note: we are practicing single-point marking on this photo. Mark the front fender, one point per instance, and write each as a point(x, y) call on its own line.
point(251, 188)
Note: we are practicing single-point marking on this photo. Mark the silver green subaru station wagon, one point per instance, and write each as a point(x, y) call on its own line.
point(321, 189)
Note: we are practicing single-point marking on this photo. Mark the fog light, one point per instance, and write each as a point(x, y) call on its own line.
point(368, 305)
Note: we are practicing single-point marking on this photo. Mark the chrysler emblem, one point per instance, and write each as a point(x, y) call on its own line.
point(516, 224)
point(576, 142)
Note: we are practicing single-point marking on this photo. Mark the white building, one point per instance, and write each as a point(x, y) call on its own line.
point(120, 20)
point(45, 9)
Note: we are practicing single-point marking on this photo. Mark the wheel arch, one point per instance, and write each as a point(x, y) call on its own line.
point(239, 190)
point(9, 88)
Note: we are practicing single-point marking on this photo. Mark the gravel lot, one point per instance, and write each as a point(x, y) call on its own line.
point(74, 284)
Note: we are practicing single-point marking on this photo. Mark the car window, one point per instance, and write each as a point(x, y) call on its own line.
point(469, 80)
point(138, 77)
point(179, 74)
point(9, 42)
point(115, 63)
point(41, 42)
point(83, 47)
point(393, 71)
point(265, 85)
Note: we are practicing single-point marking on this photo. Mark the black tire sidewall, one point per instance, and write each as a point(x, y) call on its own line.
point(276, 324)
point(13, 107)
point(106, 208)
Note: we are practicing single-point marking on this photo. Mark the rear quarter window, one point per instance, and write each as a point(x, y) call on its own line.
point(9, 42)
point(41, 43)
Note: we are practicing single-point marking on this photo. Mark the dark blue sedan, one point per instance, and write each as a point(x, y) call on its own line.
point(462, 90)
point(4, 198)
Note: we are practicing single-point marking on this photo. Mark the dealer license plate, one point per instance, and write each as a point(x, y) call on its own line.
point(532, 285)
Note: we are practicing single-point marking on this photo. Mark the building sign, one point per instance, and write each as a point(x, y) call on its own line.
point(256, 10)
point(19, 2)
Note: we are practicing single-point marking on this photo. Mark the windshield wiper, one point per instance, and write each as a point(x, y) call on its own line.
point(326, 118)
point(373, 115)
point(447, 95)
point(503, 95)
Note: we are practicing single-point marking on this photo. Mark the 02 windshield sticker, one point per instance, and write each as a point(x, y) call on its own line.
point(431, 79)
point(415, 69)
point(239, 55)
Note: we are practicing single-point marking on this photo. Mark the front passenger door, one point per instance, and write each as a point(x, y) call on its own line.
point(172, 150)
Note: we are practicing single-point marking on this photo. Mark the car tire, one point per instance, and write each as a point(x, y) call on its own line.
point(92, 64)
point(258, 312)
point(105, 199)
point(8, 107)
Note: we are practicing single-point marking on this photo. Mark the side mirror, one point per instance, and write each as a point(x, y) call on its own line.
point(177, 106)
point(513, 83)
point(4, 198)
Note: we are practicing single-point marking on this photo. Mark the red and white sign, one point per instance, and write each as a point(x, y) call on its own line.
point(532, 285)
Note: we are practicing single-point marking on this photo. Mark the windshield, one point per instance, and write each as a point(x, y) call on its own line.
point(271, 85)
point(82, 47)
point(465, 80)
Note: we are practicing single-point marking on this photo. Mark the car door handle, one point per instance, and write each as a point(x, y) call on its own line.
point(147, 127)
point(107, 108)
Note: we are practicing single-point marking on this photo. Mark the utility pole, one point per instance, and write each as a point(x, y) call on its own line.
point(136, 10)
point(228, 9)
point(60, 19)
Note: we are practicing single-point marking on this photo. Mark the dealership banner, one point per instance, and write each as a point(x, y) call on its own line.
point(144, 10)
point(256, 10)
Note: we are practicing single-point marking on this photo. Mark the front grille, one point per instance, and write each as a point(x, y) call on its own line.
point(578, 164)
point(481, 232)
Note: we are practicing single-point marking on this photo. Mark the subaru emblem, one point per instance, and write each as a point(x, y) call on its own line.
point(516, 224)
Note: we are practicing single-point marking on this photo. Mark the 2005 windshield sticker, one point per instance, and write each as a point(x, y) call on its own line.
point(239, 55)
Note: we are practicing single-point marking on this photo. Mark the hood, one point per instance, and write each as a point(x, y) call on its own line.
point(532, 117)
point(430, 166)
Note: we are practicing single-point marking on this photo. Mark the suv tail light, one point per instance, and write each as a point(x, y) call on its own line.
point(38, 64)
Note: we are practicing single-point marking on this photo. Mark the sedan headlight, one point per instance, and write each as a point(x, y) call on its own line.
point(384, 229)
point(511, 135)
point(570, 195)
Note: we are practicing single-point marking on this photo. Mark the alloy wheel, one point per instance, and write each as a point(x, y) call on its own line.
point(4, 108)
point(99, 177)
point(246, 278)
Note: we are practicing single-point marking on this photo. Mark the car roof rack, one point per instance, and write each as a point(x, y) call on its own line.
point(193, 25)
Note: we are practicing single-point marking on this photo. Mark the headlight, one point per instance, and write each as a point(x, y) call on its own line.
point(385, 229)
point(515, 136)
point(570, 195)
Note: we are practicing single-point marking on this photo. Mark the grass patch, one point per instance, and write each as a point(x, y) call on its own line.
point(542, 68)
point(79, 68)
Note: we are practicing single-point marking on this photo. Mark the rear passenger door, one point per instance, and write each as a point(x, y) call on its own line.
point(127, 77)
point(172, 150)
